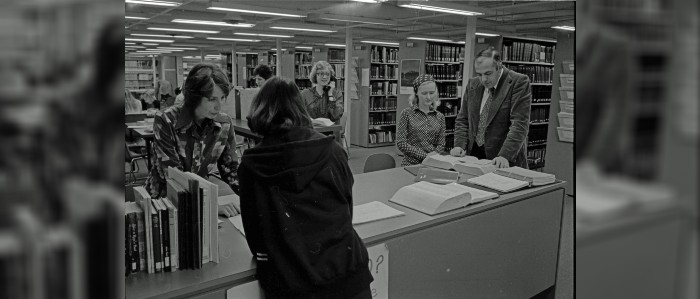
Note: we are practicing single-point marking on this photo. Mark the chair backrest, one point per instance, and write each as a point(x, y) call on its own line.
point(379, 161)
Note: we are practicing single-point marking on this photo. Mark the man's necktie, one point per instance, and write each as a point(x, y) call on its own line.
point(484, 117)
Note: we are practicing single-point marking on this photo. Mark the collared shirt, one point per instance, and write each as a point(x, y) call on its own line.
point(487, 91)
point(181, 143)
point(419, 133)
point(317, 106)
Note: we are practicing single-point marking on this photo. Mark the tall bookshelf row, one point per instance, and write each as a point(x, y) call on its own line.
point(302, 69)
point(444, 61)
point(336, 58)
point(139, 74)
point(384, 84)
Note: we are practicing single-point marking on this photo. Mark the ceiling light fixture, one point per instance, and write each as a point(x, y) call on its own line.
point(335, 45)
point(135, 18)
point(176, 48)
point(183, 30)
point(369, 1)
point(441, 9)
point(128, 43)
point(357, 21)
point(486, 34)
point(212, 23)
point(149, 40)
point(275, 49)
point(254, 10)
point(154, 2)
point(150, 44)
point(430, 39)
point(138, 47)
point(162, 35)
point(303, 29)
point(379, 42)
point(302, 47)
point(263, 34)
point(568, 28)
point(234, 39)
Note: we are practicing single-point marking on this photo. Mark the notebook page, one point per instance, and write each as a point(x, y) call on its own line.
point(498, 182)
point(373, 211)
point(237, 222)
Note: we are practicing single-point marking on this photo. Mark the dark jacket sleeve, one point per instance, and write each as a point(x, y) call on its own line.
point(519, 118)
point(462, 120)
point(249, 211)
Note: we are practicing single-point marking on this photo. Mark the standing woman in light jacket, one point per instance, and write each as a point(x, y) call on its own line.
point(296, 203)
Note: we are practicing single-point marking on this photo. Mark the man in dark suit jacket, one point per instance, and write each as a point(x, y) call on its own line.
point(494, 118)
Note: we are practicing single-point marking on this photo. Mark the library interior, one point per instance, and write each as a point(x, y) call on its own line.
point(436, 142)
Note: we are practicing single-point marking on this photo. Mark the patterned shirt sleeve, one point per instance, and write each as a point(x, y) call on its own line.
point(165, 154)
point(402, 138)
point(336, 111)
point(228, 161)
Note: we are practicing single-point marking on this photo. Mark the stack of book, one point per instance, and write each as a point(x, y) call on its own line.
point(434, 199)
point(512, 178)
point(175, 232)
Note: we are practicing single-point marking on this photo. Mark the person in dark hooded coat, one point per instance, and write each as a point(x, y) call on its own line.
point(296, 203)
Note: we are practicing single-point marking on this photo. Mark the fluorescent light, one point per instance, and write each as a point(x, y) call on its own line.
point(212, 23)
point(135, 18)
point(442, 9)
point(357, 21)
point(301, 47)
point(257, 12)
point(431, 39)
point(369, 1)
point(334, 45)
point(150, 40)
point(234, 39)
point(154, 2)
point(262, 34)
point(378, 42)
point(162, 35)
point(138, 47)
point(174, 48)
point(149, 44)
point(569, 28)
point(275, 49)
point(183, 30)
point(302, 29)
point(486, 34)
point(128, 43)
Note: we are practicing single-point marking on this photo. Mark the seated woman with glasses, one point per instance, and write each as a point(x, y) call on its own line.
point(324, 99)
point(196, 136)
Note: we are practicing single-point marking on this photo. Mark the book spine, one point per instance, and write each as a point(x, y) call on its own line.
point(200, 229)
point(174, 262)
point(206, 229)
point(165, 231)
point(157, 248)
point(142, 240)
point(133, 231)
point(127, 246)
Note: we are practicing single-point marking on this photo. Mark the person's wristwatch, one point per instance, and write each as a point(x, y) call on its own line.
point(331, 98)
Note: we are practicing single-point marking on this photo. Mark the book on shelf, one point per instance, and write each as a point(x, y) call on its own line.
point(467, 164)
point(434, 199)
point(373, 211)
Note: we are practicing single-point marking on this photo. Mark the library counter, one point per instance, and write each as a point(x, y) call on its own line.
point(501, 248)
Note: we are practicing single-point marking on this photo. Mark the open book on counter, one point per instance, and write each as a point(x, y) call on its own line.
point(467, 164)
point(434, 199)
point(323, 122)
point(512, 178)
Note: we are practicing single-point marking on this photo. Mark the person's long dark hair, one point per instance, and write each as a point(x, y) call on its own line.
point(278, 106)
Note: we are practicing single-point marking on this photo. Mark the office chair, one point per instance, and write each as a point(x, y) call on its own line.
point(132, 158)
point(379, 161)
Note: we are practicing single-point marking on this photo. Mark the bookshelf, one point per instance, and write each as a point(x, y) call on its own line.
point(374, 116)
point(445, 61)
point(302, 68)
point(534, 58)
point(139, 74)
point(336, 58)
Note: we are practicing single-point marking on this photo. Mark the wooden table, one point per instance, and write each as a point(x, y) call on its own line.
point(501, 248)
point(240, 126)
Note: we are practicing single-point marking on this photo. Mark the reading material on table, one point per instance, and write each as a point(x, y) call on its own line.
point(373, 211)
point(534, 178)
point(467, 164)
point(434, 199)
point(237, 222)
point(322, 122)
point(498, 182)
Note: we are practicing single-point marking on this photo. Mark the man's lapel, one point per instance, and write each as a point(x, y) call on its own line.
point(475, 110)
point(501, 91)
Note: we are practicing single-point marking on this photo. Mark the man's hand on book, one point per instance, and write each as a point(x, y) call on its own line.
point(229, 206)
point(501, 162)
point(457, 152)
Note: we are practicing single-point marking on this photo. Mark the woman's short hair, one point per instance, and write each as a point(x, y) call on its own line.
point(320, 66)
point(278, 106)
point(200, 83)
